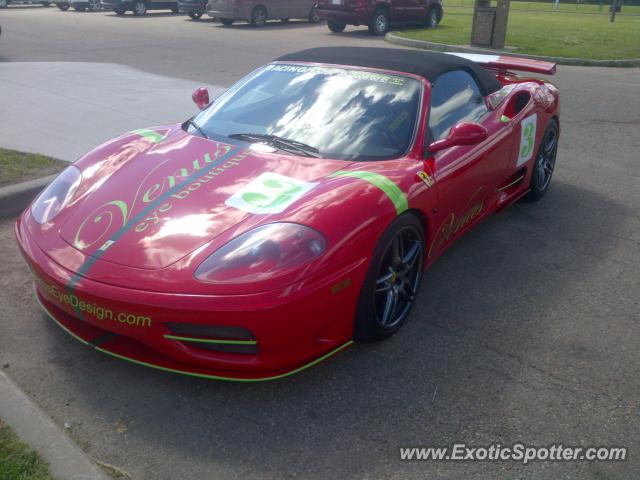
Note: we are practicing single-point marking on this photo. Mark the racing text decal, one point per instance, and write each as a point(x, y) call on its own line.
point(93, 309)
point(453, 225)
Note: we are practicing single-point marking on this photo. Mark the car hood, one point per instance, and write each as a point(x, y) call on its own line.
point(157, 196)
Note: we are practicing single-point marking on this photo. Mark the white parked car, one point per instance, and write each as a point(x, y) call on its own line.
point(6, 3)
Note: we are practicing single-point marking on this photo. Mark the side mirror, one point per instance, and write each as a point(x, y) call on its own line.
point(201, 97)
point(463, 133)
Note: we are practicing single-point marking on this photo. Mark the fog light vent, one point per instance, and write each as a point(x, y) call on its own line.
point(217, 338)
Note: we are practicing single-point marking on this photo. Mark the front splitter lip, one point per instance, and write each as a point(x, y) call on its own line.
point(149, 358)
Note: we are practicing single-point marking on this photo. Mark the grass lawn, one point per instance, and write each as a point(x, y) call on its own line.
point(18, 166)
point(536, 29)
point(17, 461)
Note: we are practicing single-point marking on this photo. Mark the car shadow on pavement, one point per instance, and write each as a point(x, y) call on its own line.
point(272, 25)
point(360, 31)
point(499, 347)
point(148, 15)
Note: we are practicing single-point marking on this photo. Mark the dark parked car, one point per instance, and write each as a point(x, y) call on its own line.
point(82, 5)
point(194, 8)
point(257, 12)
point(139, 7)
point(379, 15)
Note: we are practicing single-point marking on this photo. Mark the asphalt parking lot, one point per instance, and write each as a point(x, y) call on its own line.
point(528, 330)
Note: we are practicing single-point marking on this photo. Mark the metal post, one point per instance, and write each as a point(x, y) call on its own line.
point(614, 7)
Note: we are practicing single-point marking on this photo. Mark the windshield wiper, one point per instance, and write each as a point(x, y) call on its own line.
point(280, 143)
point(197, 127)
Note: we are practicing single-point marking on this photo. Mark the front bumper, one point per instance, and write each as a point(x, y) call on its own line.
point(350, 17)
point(291, 329)
point(191, 8)
point(222, 13)
point(113, 4)
point(228, 9)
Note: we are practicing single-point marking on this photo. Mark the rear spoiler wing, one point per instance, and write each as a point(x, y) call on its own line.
point(502, 62)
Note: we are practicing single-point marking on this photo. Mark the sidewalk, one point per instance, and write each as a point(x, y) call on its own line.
point(64, 109)
point(66, 460)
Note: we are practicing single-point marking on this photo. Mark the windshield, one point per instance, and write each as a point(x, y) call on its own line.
point(336, 112)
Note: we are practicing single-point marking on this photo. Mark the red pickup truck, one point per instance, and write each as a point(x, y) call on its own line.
point(379, 15)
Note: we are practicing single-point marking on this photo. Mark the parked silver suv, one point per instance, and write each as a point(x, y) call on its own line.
point(257, 12)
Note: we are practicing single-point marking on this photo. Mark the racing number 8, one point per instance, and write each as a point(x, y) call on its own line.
point(273, 193)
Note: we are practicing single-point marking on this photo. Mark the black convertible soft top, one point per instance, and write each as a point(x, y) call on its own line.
point(429, 65)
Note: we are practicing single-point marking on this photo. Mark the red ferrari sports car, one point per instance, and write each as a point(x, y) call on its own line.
point(292, 215)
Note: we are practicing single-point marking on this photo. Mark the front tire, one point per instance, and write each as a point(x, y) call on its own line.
point(313, 15)
point(95, 5)
point(259, 17)
point(392, 281)
point(195, 15)
point(139, 8)
point(336, 27)
point(379, 24)
point(63, 6)
point(545, 163)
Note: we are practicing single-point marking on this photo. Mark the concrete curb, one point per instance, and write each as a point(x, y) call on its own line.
point(443, 47)
point(66, 460)
point(15, 198)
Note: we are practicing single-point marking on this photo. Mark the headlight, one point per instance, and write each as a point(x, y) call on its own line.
point(57, 195)
point(265, 252)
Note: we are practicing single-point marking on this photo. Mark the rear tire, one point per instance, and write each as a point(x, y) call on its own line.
point(392, 281)
point(95, 5)
point(63, 6)
point(432, 19)
point(195, 15)
point(379, 24)
point(336, 27)
point(139, 8)
point(259, 17)
point(545, 163)
point(227, 22)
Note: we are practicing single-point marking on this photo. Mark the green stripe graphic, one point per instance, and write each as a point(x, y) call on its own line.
point(150, 134)
point(383, 183)
point(207, 340)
